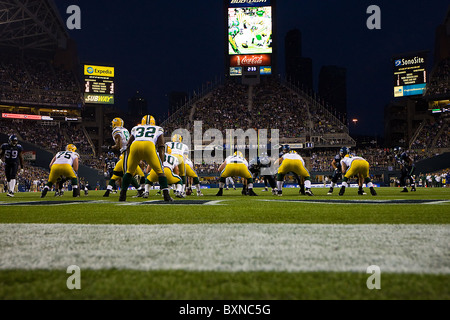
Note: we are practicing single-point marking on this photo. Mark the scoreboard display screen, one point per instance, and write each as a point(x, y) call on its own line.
point(249, 36)
point(98, 84)
point(410, 75)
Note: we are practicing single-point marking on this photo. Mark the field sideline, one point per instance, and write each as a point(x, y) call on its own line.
point(227, 248)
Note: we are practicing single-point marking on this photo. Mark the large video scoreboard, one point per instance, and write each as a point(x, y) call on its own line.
point(410, 74)
point(98, 84)
point(249, 34)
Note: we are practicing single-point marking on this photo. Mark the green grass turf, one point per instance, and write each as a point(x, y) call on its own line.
point(183, 285)
point(180, 285)
point(235, 208)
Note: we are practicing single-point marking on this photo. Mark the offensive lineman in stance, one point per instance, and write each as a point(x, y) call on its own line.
point(236, 166)
point(170, 170)
point(180, 151)
point(293, 162)
point(64, 164)
point(146, 143)
point(355, 166)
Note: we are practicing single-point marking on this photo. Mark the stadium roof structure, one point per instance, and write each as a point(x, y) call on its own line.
point(31, 24)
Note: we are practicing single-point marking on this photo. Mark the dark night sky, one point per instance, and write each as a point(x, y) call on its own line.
point(163, 46)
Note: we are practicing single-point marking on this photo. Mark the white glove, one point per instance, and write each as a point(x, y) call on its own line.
point(123, 149)
point(21, 171)
point(106, 174)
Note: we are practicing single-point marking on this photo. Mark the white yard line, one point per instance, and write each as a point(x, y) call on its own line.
point(227, 247)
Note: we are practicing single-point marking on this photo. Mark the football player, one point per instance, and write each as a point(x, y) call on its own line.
point(355, 166)
point(110, 163)
point(64, 164)
point(146, 143)
point(337, 173)
point(236, 166)
point(13, 157)
point(180, 151)
point(301, 181)
point(230, 181)
point(407, 168)
point(292, 162)
point(191, 174)
point(171, 171)
point(258, 166)
point(121, 135)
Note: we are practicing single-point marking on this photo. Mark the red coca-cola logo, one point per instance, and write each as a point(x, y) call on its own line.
point(250, 60)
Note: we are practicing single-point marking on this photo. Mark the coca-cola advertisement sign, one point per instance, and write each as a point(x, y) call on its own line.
point(250, 60)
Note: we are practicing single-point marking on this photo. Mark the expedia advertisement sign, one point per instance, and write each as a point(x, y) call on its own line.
point(99, 71)
point(98, 84)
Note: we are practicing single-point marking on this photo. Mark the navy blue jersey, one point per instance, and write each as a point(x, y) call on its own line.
point(11, 153)
point(403, 159)
point(111, 163)
point(337, 161)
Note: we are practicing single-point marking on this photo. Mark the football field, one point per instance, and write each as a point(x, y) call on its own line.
point(227, 248)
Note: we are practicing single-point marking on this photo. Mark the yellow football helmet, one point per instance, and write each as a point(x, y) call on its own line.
point(169, 150)
point(71, 147)
point(239, 154)
point(293, 152)
point(177, 138)
point(148, 119)
point(117, 123)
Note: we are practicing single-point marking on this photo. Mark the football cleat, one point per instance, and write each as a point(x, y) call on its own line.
point(219, 193)
point(361, 193)
point(252, 193)
point(44, 192)
point(145, 195)
point(274, 192)
point(107, 192)
point(342, 191)
point(123, 195)
point(373, 192)
point(10, 194)
point(404, 190)
point(199, 194)
point(330, 192)
point(76, 192)
point(308, 192)
point(280, 193)
point(167, 196)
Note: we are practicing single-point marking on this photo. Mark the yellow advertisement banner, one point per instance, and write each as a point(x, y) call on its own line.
point(100, 71)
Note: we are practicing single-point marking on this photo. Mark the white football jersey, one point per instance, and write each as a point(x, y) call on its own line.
point(170, 161)
point(147, 133)
point(293, 156)
point(65, 157)
point(178, 148)
point(236, 159)
point(124, 135)
point(349, 159)
point(189, 163)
